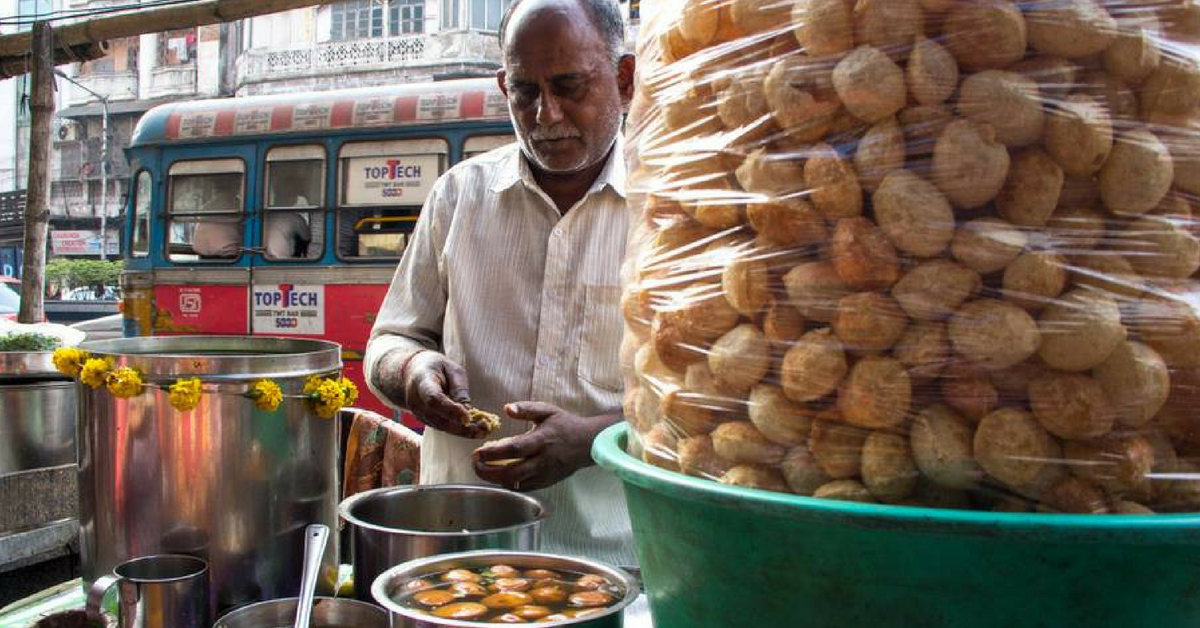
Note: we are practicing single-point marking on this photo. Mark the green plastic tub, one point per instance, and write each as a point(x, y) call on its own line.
point(716, 556)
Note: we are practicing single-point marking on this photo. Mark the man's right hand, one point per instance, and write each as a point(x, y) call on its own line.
point(435, 390)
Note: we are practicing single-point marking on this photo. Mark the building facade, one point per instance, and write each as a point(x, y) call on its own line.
point(348, 44)
point(368, 42)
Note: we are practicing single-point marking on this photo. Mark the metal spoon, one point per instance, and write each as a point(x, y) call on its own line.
point(315, 537)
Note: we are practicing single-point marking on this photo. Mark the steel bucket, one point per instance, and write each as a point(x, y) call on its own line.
point(395, 525)
point(225, 482)
point(37, 413)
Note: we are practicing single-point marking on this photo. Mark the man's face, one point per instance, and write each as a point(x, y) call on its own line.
point(563, 92)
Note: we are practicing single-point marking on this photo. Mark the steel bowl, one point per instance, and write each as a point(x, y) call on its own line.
point(386, 587)
point(327, 613)
point(398, 524)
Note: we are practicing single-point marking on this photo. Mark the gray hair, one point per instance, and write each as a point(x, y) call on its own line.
point(605, 16)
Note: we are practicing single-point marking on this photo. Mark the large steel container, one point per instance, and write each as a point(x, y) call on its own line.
point(714, 555)
point(37, 413)
point(226, 482)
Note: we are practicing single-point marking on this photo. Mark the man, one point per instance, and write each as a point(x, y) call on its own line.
point(286, 234)
point(221, 235)
point(507, 296)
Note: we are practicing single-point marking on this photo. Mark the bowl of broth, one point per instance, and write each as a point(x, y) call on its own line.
point(327, 612)
point(490, 587)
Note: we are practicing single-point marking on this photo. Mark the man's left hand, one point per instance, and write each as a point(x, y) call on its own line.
point(559, 444)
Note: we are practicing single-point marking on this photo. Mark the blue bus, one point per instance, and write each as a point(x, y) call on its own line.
point(286, 214)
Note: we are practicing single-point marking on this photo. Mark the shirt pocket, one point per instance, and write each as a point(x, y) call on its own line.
point(600, 337)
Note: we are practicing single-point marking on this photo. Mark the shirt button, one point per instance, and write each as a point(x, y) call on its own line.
point(543, 361)
point(558, 231)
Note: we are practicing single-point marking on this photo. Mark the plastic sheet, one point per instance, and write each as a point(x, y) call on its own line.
point(925, 252)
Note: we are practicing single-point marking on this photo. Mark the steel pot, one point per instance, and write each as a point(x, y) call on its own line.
point(387, 586)
point(327, 613)
point(398, 524)
point(39, 407)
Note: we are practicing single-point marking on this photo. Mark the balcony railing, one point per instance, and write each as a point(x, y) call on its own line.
point(173, 80)
point(115, 85)
point(319, 59)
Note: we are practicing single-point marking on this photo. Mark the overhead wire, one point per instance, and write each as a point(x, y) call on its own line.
point(62, 14)
point(69, 13)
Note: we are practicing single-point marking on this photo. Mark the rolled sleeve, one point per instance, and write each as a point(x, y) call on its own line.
point(412, 313)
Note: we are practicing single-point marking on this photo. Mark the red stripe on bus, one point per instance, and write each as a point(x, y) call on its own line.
point(172, 131)
point(281, 118)
point(343, 113)
point(472, 105)
point(224, 123)
point(406, 109)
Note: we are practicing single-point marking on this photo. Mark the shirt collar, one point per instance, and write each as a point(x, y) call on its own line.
point(515, 169)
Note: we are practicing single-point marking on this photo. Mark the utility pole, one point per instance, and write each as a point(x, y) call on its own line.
point(37, 190)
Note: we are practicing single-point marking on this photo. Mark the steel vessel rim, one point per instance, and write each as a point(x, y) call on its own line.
point(413, 568)
point(257, 357)
point(203, 568)
point(46, 383)
point(348, 504)
point(42, 363)
point(99, 346)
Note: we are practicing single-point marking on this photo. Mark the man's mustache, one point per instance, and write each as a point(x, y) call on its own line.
point(553, 133)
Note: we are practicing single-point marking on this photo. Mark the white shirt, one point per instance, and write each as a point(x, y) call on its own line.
point(217, 237)
point(282, 229)
point(526, 301)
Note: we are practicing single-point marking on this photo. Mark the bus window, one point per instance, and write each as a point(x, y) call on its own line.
point(481, 144)
point(205, 210)
point(382, 186)
point(295, 182)
point(140, 246)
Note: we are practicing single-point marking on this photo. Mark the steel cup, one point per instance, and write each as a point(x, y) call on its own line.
point(160, 591)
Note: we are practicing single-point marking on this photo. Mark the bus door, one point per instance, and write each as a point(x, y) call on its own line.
point(201, 280)
point(288, 295)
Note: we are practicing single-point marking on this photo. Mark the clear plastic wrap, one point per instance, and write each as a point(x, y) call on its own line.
point(924, 252)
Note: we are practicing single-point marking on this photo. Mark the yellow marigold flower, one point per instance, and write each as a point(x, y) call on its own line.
point(327, 398)
point(312, 384)
point(125, 383)
point(184, 394)
point(95, 371)
point(350, 391)
point(69, 360)
point(266, 395)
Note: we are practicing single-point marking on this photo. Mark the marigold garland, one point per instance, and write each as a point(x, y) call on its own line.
point(95, 371)
point(125, 382)
point(266, 395)
point(184, 394)
point(350, 391)
point(69, 360)
point(325, 395)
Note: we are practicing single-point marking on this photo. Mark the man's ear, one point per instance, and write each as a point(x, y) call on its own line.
point(626, 66)
point(500, 75)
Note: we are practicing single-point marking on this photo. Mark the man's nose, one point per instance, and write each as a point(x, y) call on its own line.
point(549, 111)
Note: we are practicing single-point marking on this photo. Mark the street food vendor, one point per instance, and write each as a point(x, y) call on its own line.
point(506, 299)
